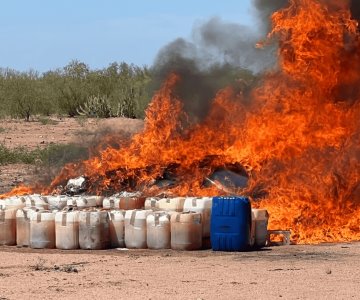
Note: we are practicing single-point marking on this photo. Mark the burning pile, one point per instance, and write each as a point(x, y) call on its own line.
point(296, 135)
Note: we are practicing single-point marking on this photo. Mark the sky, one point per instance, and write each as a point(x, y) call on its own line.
point(44, 35)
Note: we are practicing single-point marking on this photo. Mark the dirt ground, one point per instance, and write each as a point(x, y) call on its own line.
point(33, 134)
point(288, 272)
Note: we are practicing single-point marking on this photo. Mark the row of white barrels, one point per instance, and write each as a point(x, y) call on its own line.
point(101, 229)
point(177, 223)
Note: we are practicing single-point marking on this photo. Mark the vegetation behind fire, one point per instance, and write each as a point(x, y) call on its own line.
point(119, 90)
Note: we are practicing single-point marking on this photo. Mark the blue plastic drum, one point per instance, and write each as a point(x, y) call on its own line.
point(230, 224)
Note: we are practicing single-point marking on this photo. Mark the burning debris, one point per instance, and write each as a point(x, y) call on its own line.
point(76, 186)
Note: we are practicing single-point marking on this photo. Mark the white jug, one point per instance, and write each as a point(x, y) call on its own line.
point(94, 229)
point(111, 203)
point(158, 230)
point(14, 202)
point(186, 231)
point(42, 230)
point(56, 202)
point(172, 204)
point(36, 201)
point(261, 217)
point(67, 229)
point(135, 228)
point(152, 203)
point(82, 201)
point(117, 228)
point(201, 205)
point(23, 226)
point(8, 227)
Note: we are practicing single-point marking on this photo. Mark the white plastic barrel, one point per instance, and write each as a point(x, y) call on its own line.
point(135, 228)
point(42, 230)
point(172, 204)
point(94, 229)
point(130, 203)
point(82, 201)
point(261, 217)
point(23, 226)
point(56, 202)
point(111, 203)
point(36, 201)
point(117, 228)
point(201, 205)
point(158, 230)
point(152, 203)
point(14, 202)
point(186, 231)
point(98, 200)
point(8, 227)
point(67, 229)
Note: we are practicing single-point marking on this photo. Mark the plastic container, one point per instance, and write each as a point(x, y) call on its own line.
point(36, 201)
point(56, 202)
point(186, 231)
point(201, 205)
point(117, 228)
point(261, 218)
point(111, 203)
point(14, 202)
point(152, 203)
point(82, 201)
point(67, 229)
point(94, 229)
point(158, 230)
point(23, 226)
point(172, 204)
point(8, 227)
point(131, 203)
point(98, 199)
point(230, 224)
point(135, 228)
point(42, 230)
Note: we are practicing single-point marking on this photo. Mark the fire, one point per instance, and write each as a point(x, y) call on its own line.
point(18, 191)
point(298, 138)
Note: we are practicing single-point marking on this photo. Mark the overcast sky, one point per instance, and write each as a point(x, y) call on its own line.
point(44, 35)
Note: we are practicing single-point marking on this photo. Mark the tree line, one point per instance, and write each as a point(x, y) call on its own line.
point(120, 89)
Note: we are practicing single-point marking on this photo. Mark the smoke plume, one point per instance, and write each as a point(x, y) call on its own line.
point(220, 52)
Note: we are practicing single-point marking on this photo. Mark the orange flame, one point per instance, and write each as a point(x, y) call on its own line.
point(18, 191)
point(298, 139)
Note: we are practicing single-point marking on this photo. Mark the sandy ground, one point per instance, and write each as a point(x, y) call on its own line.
point(17, 133)
point(288, 272)
point(33, 134)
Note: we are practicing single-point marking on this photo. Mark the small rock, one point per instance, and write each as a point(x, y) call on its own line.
point(328, 271)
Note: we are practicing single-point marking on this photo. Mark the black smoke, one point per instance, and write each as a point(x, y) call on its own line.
point(219, 53)
point(355, 9)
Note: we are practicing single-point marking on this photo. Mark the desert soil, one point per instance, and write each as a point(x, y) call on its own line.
point(34, 134)
point(329, 271)
point(288, 272)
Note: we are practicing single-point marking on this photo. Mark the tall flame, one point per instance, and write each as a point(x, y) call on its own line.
point(298, 139)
